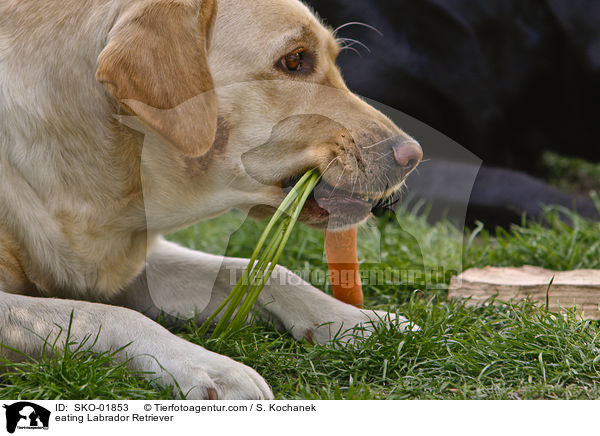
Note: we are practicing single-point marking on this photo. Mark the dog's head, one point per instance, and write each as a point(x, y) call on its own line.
point(279, 106)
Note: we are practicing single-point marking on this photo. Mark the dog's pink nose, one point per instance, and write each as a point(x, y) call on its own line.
point(407, 154)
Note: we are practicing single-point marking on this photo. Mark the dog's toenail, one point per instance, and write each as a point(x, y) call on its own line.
point(212, 394)
point(309, 337)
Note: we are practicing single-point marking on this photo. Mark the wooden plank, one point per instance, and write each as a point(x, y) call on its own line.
point(579, 288)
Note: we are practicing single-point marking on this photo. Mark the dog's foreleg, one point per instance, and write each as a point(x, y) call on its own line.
point(29, 324)
point(185, 283)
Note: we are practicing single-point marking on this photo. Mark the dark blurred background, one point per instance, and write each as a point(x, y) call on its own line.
point(507, 79)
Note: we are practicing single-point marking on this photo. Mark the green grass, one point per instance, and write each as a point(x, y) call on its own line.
point(74, 373)
point(570, 174)
point(550, 243)
point(487, 352)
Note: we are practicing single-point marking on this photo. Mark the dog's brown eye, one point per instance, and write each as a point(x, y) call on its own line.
point(293, 61)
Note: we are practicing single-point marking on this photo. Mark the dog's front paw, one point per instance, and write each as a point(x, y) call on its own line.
point(355, 324)
point(196, 373)
point(222, 378)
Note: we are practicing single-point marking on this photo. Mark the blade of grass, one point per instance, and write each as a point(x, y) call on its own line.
point(244, 310)
point(244, 288)
point(263, 261)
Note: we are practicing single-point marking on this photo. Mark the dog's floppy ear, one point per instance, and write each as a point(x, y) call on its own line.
point(155, 65)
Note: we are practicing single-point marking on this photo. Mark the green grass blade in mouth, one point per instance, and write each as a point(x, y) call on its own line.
point(263, 260)
point(246, 285)
point(273, 258)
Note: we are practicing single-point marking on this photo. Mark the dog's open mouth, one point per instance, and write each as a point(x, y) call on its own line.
point(333, 207)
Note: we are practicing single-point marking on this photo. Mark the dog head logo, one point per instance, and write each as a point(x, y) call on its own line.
point(26, 415)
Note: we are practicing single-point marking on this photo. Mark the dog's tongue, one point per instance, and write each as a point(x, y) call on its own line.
point(342, 260)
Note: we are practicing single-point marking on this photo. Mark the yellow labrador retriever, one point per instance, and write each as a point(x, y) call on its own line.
point(121, 120)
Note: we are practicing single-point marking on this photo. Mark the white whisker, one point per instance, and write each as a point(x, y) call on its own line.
point(351, 48)
point(357, 23)
point(383, 155)
point(377, 143)
point(354, 41)
point(337, 182)
point(328, 165)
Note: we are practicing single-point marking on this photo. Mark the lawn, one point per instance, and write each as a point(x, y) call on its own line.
point(501, 351)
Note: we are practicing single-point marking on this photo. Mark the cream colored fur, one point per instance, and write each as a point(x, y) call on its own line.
point(86, 192)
